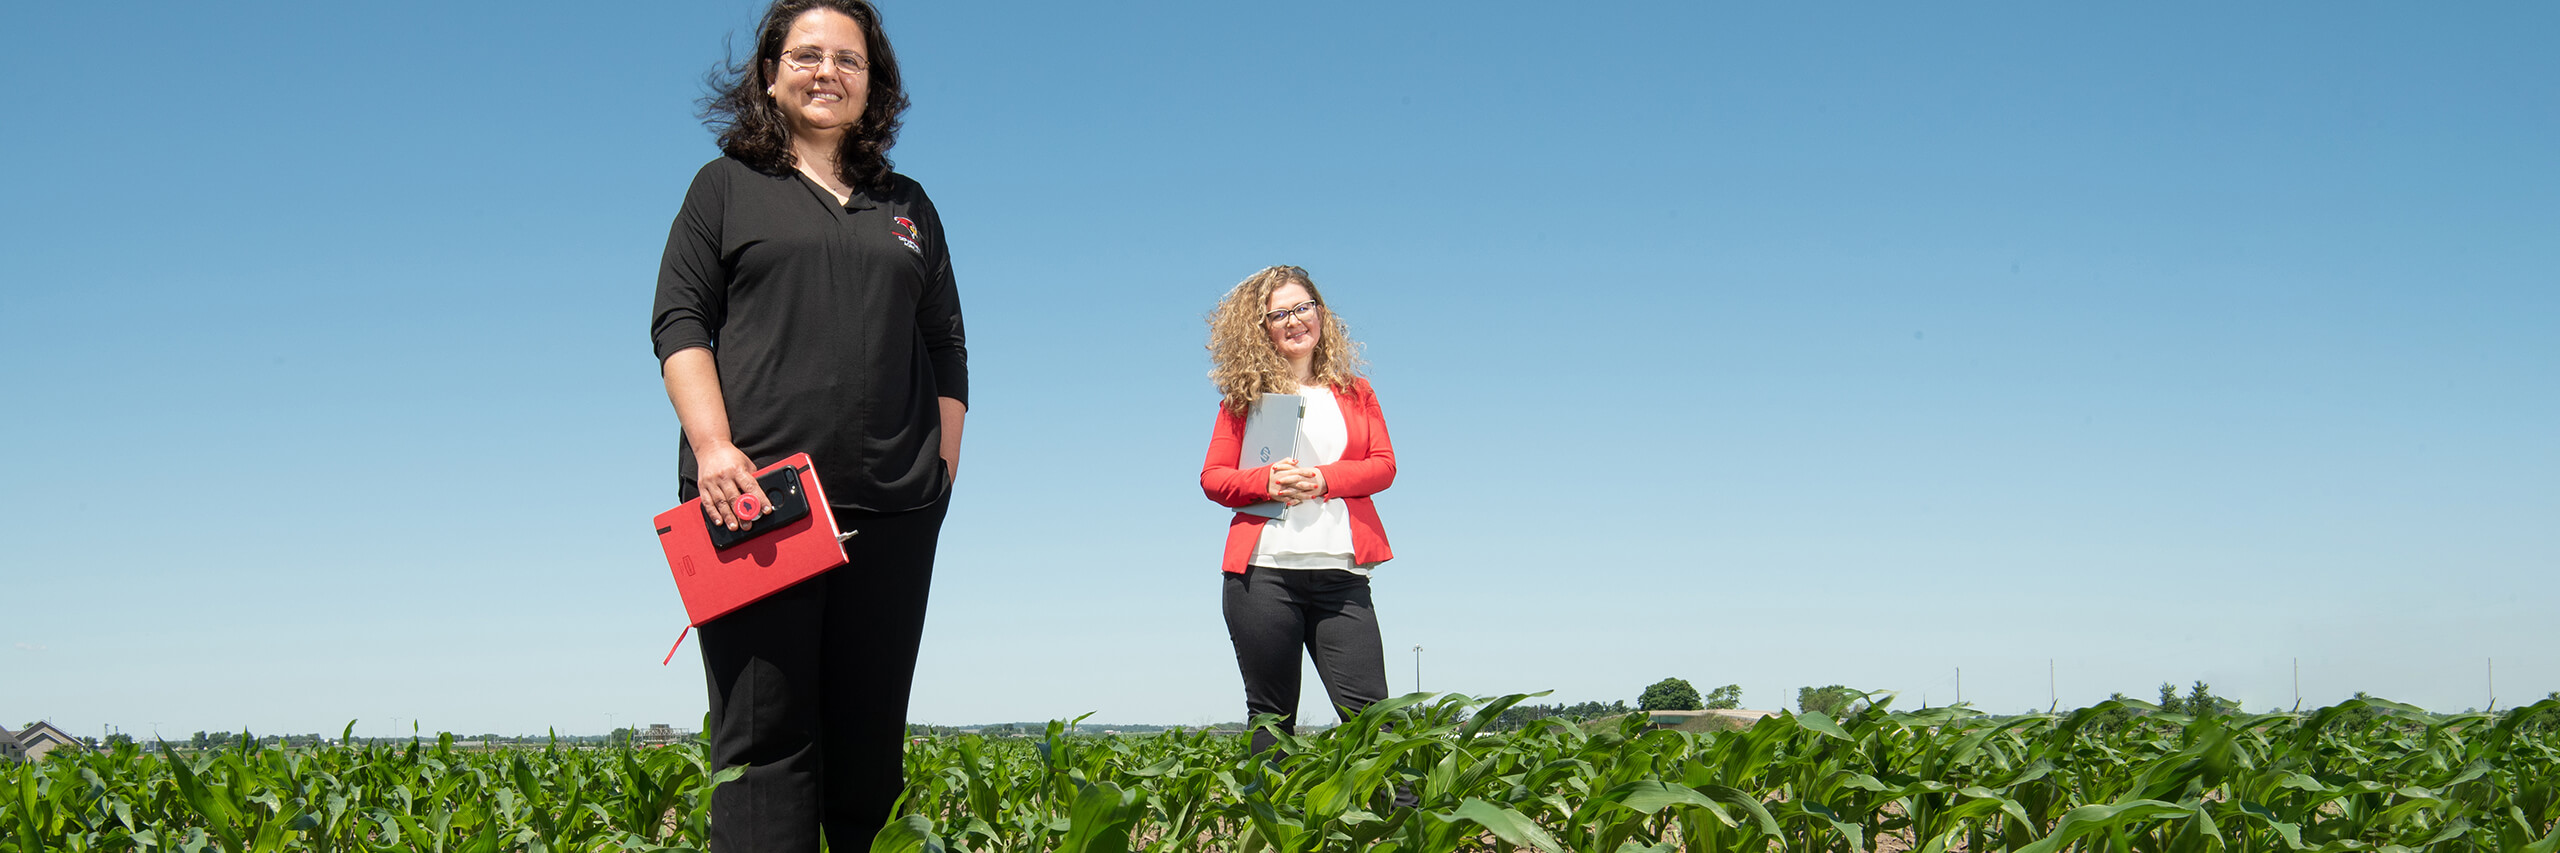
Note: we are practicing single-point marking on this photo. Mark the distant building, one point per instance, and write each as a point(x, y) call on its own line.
point(32, 742)
point(661, 734)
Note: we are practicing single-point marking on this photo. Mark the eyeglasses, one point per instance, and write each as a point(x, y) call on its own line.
point(1302, 311)
point(810, 58)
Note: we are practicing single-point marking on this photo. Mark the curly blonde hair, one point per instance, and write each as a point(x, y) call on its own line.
point(1242, 360)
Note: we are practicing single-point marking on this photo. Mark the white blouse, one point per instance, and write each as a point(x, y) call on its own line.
point(1314, 534)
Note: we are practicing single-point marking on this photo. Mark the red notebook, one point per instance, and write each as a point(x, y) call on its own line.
point(777, 551)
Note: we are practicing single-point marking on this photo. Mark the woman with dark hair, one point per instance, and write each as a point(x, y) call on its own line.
point(805, 304)
point(1299, 584)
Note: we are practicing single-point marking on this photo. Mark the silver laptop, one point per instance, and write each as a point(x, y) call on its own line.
point(1270, 435)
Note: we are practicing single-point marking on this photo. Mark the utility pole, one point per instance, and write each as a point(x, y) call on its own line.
point(2297, 685)
point(1417, 669)
point(2049, 692)
point(1959, 685)
point(2493, 684)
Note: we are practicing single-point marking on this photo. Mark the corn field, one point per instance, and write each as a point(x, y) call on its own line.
point(1417, 773)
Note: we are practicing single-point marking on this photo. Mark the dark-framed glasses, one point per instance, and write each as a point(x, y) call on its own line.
point(810, 58)
point(1301, 311)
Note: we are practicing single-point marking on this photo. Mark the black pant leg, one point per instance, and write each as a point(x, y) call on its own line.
point(1266, 624)
point(874, 627)
point(809, 689)
point(763, 665)
point(1342, 635)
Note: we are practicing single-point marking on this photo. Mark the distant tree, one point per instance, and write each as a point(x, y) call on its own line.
point(118, 739)
point(1828, 700)
point(2112, 720)
point(2169, 699)
point(1518, 716)
point(199, 741)
point(2537, 723)
point(2357, 719)
point(1596, 710)
point(1728, 696)
point(1669, 694)
point(2201, 701)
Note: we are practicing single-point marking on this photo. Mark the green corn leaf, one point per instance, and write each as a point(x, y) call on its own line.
point(24, 821)
point(1750, 806)
point(2100, 818)
point(910, 834)
point(1821, 724)
point(1651, 796)
point(1492, 711)
point(1100, 821)
point(1506, 824)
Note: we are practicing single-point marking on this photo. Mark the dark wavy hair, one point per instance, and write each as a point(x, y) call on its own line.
point(753, 130)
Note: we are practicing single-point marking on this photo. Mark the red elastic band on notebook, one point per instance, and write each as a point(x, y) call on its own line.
point(671, 650)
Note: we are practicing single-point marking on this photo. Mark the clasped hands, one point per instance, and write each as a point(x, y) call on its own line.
point(1292, 483)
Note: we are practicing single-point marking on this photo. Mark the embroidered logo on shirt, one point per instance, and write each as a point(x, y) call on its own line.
point(906, 233)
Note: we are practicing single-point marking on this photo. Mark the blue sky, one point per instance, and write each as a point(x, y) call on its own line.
point(1778, 346)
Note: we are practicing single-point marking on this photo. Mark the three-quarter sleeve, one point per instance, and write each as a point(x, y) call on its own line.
point(946, 342)
point(1220, 479)
point(692, 300)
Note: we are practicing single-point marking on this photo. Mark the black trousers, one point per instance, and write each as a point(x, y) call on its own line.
point(809, 690)
point(1272, 614)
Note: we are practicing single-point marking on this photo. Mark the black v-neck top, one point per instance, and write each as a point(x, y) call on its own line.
point(835, 327)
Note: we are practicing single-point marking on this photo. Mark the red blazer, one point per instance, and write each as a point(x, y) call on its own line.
point(1368, 467)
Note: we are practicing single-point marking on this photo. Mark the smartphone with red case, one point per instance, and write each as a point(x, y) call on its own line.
point(785, 502)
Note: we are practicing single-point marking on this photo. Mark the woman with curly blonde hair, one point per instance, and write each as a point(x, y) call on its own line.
point(1300, 581)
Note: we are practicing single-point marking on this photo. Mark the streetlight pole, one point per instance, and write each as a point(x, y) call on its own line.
point(1417, 669)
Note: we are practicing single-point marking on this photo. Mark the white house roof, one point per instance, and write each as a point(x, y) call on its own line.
point(42, 732)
